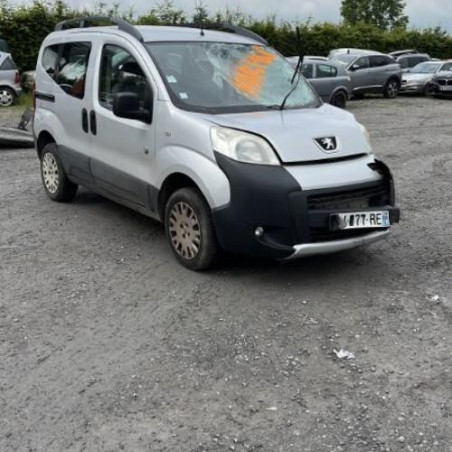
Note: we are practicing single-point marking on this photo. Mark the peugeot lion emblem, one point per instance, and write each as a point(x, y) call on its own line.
point(327, 144)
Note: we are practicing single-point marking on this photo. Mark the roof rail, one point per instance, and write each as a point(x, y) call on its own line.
point(225, 27)
point(84, 22)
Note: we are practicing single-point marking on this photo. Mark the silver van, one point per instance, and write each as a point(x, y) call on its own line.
point(212, 133)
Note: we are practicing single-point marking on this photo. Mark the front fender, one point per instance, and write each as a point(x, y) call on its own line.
point(205, 172)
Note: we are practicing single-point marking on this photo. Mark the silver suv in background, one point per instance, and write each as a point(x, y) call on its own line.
point(329, 79)
point(409, 58)
point(9, 80)
point(372, 72)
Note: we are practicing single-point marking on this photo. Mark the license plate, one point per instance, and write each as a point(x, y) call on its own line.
point(445, 88)
point(360, 220)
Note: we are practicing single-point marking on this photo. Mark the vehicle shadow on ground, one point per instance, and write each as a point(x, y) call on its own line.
point(324, 267)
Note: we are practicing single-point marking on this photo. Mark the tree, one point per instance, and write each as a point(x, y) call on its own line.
point(201, 15)
point(168, 14)
point(385, 14)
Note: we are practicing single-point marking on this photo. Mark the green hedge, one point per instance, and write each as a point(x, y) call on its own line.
point(26, 26)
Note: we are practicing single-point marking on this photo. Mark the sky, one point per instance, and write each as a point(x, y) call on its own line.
point(422, 13)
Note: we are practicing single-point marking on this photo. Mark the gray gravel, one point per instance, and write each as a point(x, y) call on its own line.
point(107, 344)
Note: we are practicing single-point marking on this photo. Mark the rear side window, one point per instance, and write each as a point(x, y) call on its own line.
point(307, 70)
point(8, 65)
point(71, 68)
point(379, 61)
point(49, 59)
point(67, 64)
point(413, 61)
point(403, 62)
point(326, 71)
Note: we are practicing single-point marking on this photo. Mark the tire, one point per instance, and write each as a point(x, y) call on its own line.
point(339, 99)
point(7, 97)
point(189, 230)
point(391, 89)
point(56, 184)
point(428, 90)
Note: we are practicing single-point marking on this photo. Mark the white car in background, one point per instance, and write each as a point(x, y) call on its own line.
point(418, 79)
point(9, 80)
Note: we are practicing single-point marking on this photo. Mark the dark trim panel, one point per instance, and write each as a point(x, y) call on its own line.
point(44, 96)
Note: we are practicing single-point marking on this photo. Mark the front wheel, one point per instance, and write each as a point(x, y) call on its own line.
point(56, 184)
point(190, 231)
point(391, 89)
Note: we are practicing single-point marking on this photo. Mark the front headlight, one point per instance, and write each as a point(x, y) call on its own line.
point(243, 147)
point(365, 133)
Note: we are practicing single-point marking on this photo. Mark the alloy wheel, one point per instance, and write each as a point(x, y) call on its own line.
point(50, 173)
point(185, 231)
point(6, 98)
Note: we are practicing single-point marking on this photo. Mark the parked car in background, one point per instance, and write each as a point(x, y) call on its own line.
point(410, 60)
point(328, 78)
point(9, 80)
point(441, 84)
point(418, 79)
point(372, 72)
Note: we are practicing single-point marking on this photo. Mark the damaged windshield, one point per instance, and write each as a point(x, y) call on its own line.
point(228, 77)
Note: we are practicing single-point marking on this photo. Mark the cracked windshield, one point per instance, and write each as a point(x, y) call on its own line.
point(238, 77)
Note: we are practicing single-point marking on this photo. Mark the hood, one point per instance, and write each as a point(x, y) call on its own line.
point(413, 77)
point(444, 75)
point(293, 133)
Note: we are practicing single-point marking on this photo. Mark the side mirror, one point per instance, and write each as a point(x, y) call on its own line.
point(127, 105)
point(354, 67)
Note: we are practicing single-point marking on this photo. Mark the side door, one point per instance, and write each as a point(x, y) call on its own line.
point(359, 72)
point(123, 149)
point(72, 101)
point(379, 68)
point(326, 80)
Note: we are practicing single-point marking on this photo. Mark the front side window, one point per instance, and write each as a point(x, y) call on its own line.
point(220, 77)
point(120, 73)
point(326, 71)
point(71, 68)
point(361, 63)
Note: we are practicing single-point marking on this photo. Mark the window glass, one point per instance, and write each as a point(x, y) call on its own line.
point(326, 71)
point(307, 70)
point(403, 62)
point(8, 65)
point(447, 67)
point(72, 67)
point(361, 63)
point(120, 73)
point(378, 61)
point(49, 59)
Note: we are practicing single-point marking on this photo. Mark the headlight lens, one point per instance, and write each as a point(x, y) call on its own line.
point(243, 147)
point(365, 133)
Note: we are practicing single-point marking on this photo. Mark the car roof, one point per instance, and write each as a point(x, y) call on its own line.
point(158, 33)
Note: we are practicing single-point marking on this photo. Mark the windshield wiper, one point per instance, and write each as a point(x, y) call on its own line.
point(297, 72)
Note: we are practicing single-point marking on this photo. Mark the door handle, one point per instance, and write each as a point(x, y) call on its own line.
point(85, 121)
point(93, 122)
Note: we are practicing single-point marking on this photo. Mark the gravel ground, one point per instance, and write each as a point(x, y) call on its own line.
point(107, 344)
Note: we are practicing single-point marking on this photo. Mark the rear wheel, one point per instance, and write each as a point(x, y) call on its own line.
point(339, 99)
point(56, 184)
point(7, 97)
point(189, 229)
point(391, 89)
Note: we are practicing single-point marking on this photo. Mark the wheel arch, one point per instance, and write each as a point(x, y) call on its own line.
point(341, 88)
point(43, 139)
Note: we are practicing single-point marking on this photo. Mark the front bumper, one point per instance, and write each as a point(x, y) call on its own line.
point(295, 222)
point(405, 88)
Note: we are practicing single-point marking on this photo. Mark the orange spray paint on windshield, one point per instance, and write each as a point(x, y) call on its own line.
point(249, 77)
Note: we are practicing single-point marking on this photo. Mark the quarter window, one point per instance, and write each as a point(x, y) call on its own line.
point(71, 68)
point(121, 73)
point(326, 71)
